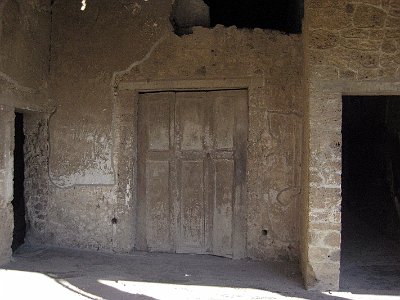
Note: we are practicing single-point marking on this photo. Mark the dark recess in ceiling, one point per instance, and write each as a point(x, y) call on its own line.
point(283, 15)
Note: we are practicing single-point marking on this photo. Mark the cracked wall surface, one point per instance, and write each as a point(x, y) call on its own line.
point(353, 48)
point(92, 145)
point(87, 48)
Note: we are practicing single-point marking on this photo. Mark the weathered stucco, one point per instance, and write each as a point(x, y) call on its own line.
point(92, 132)
point(351, 47)
point(24, 48)
point(24, 52)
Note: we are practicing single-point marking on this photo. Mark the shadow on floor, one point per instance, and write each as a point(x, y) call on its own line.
point(143, 276)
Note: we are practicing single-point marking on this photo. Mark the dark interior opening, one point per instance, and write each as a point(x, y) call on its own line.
point(371, 190)
point(283, 15)
point(19, 201)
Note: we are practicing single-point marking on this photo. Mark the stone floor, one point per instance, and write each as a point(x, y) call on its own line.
point(58, 273)
point(370, 269)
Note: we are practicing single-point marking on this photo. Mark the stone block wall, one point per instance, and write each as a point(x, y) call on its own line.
point(351, 47)
point(353, 40)
point(36, 155)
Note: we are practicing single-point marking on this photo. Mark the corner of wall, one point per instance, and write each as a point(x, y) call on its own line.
point(6, 182)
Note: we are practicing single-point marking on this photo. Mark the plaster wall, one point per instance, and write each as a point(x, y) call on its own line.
point(24, 47)
point(24, 52)
point(351, 48)
point(99, 54)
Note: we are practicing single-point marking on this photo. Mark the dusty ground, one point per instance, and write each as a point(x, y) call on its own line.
point(53, 273)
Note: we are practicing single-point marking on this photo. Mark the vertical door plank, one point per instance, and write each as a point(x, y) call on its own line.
point(158, 123)
point(230, 140)
point(191, 121)
point(240, 140)
point(155, 150)
point(192, 207)
point(158, 206)
point(223, 208)
point(223, 167)
point(224, 116)
point(190, 144)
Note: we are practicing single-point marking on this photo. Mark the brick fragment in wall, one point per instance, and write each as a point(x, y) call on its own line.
point(355, 33)
point(393, 22)
point(361, 44)
point(394, 12)
point(330, 17)
point(368, 16)
point(347, 74)
point(377, 34)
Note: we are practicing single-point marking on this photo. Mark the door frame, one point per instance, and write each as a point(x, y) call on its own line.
point(324, 157)
point(125, 111)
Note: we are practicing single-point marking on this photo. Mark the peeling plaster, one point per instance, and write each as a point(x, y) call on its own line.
point(118, 74)
point(90, 175)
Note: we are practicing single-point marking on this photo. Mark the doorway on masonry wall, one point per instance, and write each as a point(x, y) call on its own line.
point(191, 172)
point(18, 202)
point(370, 192)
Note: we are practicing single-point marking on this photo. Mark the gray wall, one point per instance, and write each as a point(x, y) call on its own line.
point(24, 61)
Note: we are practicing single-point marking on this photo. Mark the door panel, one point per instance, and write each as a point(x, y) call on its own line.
point(223, 208)
point(191, 121)
point(158, 124)
point(158, 206)
point(240, 144)
point(155, 216)
point(223, 121)
point(192, 208)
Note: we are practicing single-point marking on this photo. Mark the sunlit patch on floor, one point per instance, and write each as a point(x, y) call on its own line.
point(176, 291)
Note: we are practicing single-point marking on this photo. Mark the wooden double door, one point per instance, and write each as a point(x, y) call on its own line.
point(191, 172)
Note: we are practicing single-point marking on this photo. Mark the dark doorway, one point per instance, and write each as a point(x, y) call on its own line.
point(370, 192)
point(19, 201)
